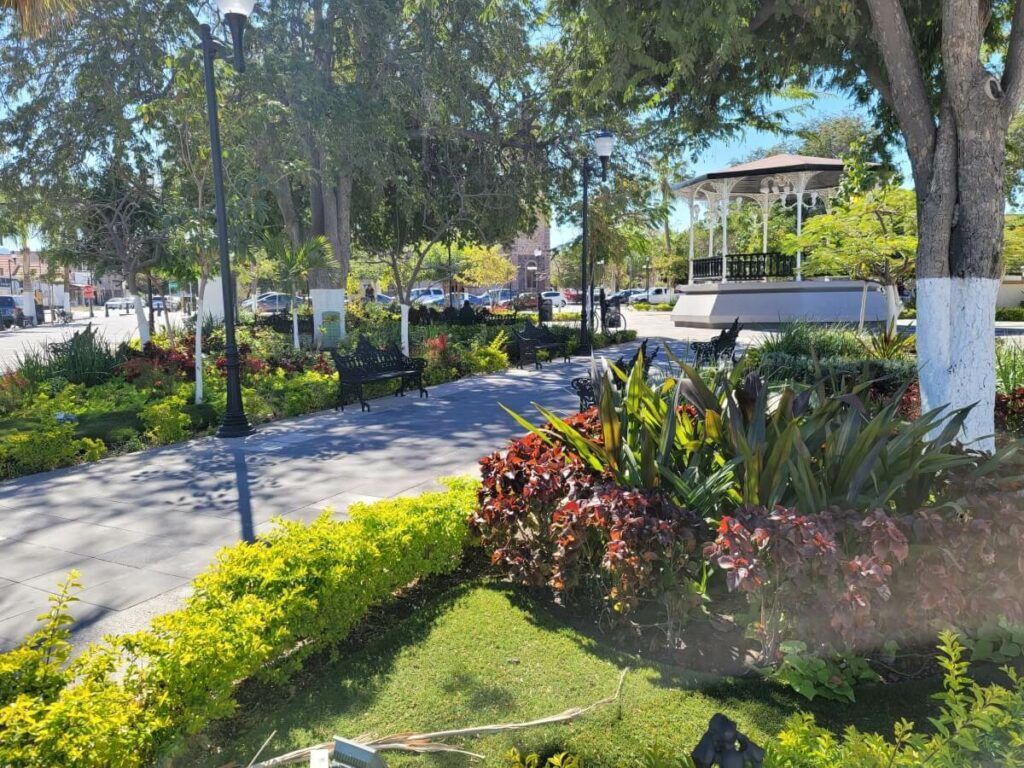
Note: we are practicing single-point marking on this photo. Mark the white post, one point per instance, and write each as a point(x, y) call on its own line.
point(725, 232)
point(766, 208)
point(692, 222)
point(801, 187)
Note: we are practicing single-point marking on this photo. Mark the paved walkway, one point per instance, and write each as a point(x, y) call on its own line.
point(139, 527)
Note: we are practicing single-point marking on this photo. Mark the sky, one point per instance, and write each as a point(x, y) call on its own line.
point(721, 154)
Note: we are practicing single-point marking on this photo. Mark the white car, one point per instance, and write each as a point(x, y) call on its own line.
point(426, 295)
point(654, 296)
point(120, 303)
point(555, 297)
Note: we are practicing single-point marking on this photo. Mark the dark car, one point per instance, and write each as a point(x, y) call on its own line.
point(11, 311)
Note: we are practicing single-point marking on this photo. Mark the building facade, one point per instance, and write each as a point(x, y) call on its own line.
point(531, 254)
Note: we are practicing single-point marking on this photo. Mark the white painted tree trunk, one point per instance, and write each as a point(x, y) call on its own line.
point(956, 351)
point(140, 317)
point(295, 325)
point(199, 341)
point(863, 306)
point(327, 300)
point(405, 328)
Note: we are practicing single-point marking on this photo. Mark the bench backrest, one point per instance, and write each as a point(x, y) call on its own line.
point(538, 333)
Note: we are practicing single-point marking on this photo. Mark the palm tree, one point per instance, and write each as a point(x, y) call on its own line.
point(36, 16)
point(292, 266)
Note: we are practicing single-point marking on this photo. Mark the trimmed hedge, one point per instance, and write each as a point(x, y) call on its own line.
point(259, 609)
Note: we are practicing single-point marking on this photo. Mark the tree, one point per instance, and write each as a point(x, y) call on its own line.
point(486, 266)
point(871, 237)
point(949, 76)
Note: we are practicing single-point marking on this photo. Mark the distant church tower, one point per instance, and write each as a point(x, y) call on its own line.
point(533, 249)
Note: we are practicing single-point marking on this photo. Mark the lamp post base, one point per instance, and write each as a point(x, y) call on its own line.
point(237, 426)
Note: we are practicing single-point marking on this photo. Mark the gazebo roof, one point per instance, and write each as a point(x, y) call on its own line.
point(748, 176)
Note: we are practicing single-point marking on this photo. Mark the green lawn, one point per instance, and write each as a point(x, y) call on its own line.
point(482, 653)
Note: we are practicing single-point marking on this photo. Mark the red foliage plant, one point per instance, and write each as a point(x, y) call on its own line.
point(1010, 412)
point(549, 520)
point(842, 581)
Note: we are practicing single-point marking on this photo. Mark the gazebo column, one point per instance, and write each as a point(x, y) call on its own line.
point(693, 210)
point(800, 187)
point(725, 190)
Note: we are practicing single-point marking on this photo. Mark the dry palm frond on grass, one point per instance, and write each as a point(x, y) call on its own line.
point(431, 742)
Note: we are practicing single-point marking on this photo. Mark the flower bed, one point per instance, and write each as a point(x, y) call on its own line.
point(83, 399)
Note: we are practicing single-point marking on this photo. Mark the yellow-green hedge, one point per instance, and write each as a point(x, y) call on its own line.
point(123, 702)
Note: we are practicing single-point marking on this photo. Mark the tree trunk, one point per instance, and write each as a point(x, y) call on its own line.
point(140, 312)
point(404, 308)
point(338, 227)
point(295, 325)
point(959, 263)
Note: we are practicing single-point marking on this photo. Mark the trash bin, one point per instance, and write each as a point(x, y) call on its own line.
point(546, 311)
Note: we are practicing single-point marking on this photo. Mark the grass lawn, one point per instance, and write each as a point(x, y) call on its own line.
point(481, 653)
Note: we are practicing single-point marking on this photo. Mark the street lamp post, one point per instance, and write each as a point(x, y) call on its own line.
point(537, 253)
point(236, 12)
point(647, 266)
point(604, 142)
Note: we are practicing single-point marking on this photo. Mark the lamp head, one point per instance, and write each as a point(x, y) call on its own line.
point(236, 13)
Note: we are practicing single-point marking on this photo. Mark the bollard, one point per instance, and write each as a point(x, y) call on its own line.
point(723, 745)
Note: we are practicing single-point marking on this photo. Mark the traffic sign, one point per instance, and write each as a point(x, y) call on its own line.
point(88, 292)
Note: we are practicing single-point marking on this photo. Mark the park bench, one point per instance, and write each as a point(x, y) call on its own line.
point(706, 352)
point(584, 385)
point(370, 364)
point(534, 338)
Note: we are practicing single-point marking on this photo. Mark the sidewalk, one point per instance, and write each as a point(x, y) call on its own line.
point(139, 527)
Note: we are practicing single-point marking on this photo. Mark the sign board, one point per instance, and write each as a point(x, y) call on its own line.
point(89, 292)
point(80, 278)
point(172, 286)
point(331, 330)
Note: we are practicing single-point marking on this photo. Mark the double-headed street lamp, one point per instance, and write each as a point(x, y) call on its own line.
point(604, 143)
point(236, 13)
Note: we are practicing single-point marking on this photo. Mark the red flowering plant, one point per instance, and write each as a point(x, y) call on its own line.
point(1010, 411)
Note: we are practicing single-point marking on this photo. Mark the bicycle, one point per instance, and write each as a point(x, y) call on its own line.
point(612, 319)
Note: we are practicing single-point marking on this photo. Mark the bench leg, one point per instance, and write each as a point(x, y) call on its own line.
point(363, 405)
point(419, 384)
point(340, 403)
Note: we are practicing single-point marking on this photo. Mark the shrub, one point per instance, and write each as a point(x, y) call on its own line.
point(1009, 368)
point(977, 725)
point(83, 359)
point(41, 450)
point(549, 519)
point(1010, 314)
point(837, 373)
point(308, 392)
point(841, 582)
point(814, 340)
point(1009, 413)
point(15, 388)
point(166, 422)
point(259, 608)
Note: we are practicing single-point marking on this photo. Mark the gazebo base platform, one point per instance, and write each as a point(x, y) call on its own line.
point(716, 305)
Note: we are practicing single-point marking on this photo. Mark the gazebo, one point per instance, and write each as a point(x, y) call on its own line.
point(766, 287)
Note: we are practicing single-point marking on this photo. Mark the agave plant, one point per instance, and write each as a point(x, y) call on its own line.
point(889, 343)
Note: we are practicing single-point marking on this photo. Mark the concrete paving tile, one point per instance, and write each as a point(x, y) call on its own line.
point(130, 589)
point(91, 571)
point(17, 627)
point(182, 523)
point(20, 560)
point(168, 557)
point(18, 598)
point(81, 538)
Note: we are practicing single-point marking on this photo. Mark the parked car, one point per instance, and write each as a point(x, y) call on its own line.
point(555, 297)
point(500, 297)
point(625, 294)
point(270, 303)
point(173, 303)
point(654, 296)
point(120, 303)
point(459, 298)
point(383, 298)
point(431, 295)
point(8, 307)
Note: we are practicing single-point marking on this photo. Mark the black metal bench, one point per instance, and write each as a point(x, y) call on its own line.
point(370, 364)
point(534, 338)
point(583, 386)
point(706, 352)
